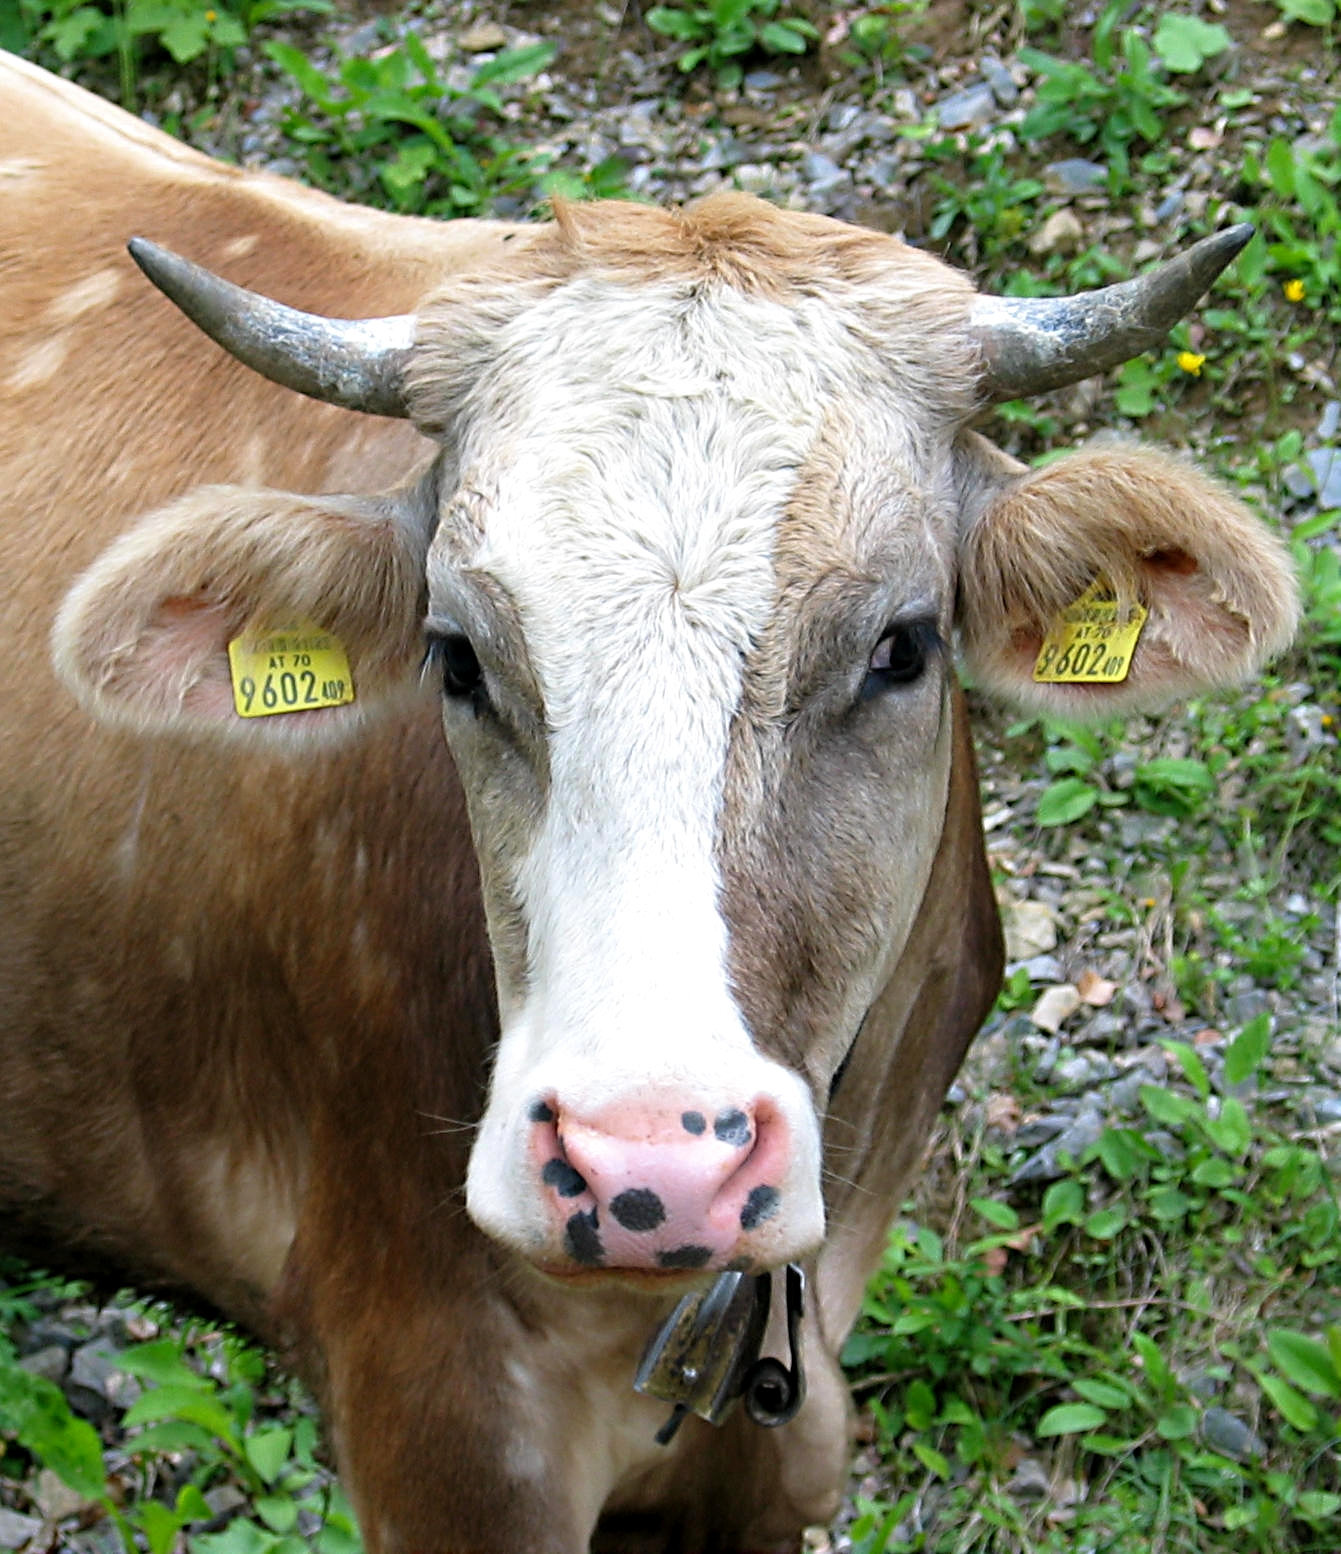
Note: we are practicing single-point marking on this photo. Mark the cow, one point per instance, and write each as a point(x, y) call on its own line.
point(453, 1067)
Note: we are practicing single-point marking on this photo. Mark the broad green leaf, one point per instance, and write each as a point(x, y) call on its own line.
point(919, 1404)
point(1185, 43)
point(1177, 1423)
point(1249, 1047)
point(1063, 1204)
point(1304, 1361)
point(1232, 1130)
point(1070, 1419)
point(1118, 1149)
point(1168, 1106)
point(1317, 1505)
point(162, 1363)
point(268, 1451)
point(1189, 1060)
point(931, 1460)
point(1153, 1362)
point(999, 1214)
point(278, 1512)
point(1104, 1224)
point(1104, 1394)
point(1294, 1408)
point(188, 1404)
point(172, 1435)
point(1317, 13)
point(1065, 801)
point(36, 1412)
point(159, 1525)
point(514, 65)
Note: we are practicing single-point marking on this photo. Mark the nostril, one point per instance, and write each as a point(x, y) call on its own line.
point(733, 1127)
point(559, 1175)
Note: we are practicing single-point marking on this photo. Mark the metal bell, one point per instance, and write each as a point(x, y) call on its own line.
point(705, 1355)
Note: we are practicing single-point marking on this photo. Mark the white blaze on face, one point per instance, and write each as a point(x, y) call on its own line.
point(633, 475)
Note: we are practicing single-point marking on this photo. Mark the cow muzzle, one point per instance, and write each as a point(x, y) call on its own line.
point(676, 1186)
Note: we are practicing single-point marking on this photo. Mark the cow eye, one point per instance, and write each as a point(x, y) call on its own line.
point(456, 660)
point(899, 658)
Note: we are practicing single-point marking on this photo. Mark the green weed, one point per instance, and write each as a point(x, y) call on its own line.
point(392, 130)
point(720, 32)
point(1053, 1327)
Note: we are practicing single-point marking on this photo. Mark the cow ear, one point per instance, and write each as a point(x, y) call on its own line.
point(143, 637)
point(1219, 588)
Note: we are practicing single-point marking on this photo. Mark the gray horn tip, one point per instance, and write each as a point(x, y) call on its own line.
point(355, 363)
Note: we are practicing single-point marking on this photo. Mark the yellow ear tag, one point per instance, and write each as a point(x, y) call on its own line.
point(294, 667)
point(1087, 644)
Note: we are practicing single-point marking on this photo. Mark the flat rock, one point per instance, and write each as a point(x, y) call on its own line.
point(1055, 1007)
point(1061, 233)
point(1074, 175)
point(16, 1530)
point(54, 1497)
point(972, 108)
point(1222, 1432)
point(1030, 927)
point(482, 38)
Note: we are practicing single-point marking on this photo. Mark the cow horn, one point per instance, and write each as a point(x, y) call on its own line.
point(1032, 344)
point(355, 363)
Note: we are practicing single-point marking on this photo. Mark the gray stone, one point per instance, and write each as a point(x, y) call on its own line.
point(821, 171)
point(1038, 968)
point(54, 1497)
point(51, 1363)
point(16, 1530)
point(1168, 1146)
point(762, 81)
point(1083, 1071)
point(1046, 1165)
point(1245, 1006)
point(1074, 175)
point(1000, 80)
point(1061, 233)
point(1030, 1480)
point(1029, 1135)
point(1325, 464)
point(1222, 1432)
point(1168, 207)
point(756, 178)
point(972, 108)
point(1323, 1106)
point(96, 1384)
point(1330, 424)
point(482, 38)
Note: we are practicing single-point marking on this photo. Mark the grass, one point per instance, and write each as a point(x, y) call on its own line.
point(1140, 1351)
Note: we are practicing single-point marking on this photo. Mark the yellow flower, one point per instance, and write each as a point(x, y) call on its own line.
point(211, 16)
point(1191, 362)
point(1327, 720)
point(1294, 291)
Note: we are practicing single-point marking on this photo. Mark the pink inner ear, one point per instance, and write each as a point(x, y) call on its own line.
point(1177, 562)
point(182, 655)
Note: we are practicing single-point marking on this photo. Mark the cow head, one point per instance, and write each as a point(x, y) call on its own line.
point(707, 515)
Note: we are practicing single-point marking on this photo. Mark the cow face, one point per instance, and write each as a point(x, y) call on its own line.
point(689, 597)
point(692, 549)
